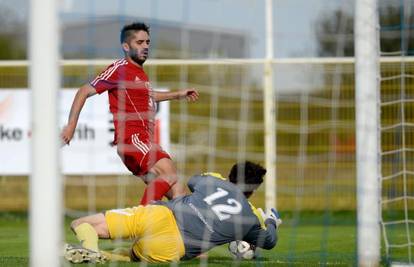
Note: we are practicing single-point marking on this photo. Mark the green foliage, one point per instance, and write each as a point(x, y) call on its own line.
point(9, 49)
point(12, 32)
point(335, 31)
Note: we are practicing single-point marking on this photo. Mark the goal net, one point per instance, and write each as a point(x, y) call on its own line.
point(397, 179)
point(316, 182)
point(315, 132)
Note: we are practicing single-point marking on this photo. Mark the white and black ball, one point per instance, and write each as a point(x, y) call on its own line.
point(242, 250)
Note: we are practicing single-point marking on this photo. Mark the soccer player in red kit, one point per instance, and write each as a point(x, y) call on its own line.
point(133, 104)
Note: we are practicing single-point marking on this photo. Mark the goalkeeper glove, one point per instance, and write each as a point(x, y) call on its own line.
point(271, 214)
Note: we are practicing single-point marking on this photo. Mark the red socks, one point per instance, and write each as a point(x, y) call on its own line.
point(155, 190)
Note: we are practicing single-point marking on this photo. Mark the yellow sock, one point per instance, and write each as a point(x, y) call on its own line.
point(115, 256)
point(87, 235)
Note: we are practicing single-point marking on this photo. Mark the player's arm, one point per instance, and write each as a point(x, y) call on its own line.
point(190, 95)
point(82, 94)
point(265, 237)
point(194, 180)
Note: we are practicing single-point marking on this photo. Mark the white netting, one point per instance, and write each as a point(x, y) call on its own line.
point(315, 121)
point(397, 132)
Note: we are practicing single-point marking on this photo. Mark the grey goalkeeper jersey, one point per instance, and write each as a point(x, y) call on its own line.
point(216, 213)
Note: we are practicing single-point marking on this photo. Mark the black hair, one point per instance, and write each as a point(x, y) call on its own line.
point(247, 175)
point(129, 29)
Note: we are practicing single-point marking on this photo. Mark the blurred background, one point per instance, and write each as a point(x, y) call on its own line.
point(229, 22)
point(314, 79)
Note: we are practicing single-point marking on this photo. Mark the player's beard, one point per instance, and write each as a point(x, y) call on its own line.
point(137, 56)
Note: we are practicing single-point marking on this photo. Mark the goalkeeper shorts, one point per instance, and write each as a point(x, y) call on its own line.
point(154, 229)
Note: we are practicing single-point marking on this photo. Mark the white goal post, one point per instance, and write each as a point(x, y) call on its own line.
point(269, 113)
point(367, 131)
point(45, 181)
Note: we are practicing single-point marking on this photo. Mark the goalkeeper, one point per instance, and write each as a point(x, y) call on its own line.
point(217, 212)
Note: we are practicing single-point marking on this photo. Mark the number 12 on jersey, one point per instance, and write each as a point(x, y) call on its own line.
point(223, 211)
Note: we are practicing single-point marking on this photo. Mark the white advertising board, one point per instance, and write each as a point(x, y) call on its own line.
point(89, 152)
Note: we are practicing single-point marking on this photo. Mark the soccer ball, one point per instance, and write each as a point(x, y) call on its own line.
point(242, 250)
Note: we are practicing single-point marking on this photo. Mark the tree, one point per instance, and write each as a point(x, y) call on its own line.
point(11, 44)
point(334, 34)
point(335, 31)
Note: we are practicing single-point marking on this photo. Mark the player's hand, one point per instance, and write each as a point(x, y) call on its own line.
point(67, 134)
point(271, 214)
point(190, 94)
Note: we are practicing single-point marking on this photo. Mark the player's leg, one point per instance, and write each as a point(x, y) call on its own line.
point(164, 182)
point(158, 238)
point(86, 230)
point(150, 162)
point(89, 229)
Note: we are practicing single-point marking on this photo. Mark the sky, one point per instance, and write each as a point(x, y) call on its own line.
point(294, 20)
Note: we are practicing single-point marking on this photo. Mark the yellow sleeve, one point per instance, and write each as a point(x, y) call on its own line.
point(214, 174)
point(258, 215)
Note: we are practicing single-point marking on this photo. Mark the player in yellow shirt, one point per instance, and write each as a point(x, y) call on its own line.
point(216, 212)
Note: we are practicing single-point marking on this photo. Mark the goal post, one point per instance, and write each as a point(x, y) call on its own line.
point(367, 132)
point(269, 110)
point(45, 180)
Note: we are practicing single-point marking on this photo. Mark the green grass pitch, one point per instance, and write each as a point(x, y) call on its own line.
point(305, 239)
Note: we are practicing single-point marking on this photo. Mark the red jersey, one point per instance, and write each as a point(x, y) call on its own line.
point(130, 100)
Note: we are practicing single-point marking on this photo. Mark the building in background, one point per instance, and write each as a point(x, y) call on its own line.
point(99, 38)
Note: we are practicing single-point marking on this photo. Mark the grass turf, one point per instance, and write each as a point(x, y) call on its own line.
point(305, 239)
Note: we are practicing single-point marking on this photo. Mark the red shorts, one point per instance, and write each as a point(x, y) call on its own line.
point(139, 154)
